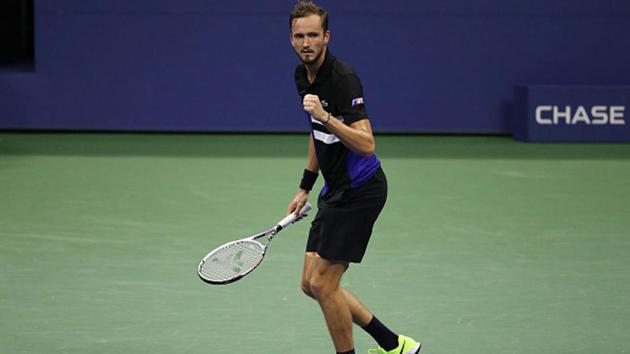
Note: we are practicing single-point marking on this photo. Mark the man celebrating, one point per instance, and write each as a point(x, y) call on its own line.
point(342, 146)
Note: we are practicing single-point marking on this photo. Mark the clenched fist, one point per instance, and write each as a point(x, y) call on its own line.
point(313, 105)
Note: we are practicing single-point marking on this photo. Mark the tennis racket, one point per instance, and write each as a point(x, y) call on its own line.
point(234, 260)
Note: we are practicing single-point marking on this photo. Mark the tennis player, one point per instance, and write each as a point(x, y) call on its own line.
point(341, 145)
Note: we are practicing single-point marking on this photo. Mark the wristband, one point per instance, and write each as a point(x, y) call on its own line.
point(308, 180)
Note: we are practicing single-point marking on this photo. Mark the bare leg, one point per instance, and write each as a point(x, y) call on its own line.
point(321, 280)
point(360, 314)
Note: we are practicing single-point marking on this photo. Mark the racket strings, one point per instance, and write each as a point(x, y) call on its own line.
point(232, 261)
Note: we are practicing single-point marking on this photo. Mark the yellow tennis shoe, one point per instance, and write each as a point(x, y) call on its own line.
point(406, 345)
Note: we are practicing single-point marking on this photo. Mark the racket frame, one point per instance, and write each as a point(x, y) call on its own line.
point(270, 233)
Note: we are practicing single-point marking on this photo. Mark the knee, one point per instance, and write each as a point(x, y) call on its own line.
point(320, 287)
point(306, 288)
point(315, 288)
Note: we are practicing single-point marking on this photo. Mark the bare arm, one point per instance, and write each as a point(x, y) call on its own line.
point(312, 164)
point(301, 196)
point(357, 137)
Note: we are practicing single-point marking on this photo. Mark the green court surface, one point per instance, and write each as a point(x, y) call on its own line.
point(486, 245)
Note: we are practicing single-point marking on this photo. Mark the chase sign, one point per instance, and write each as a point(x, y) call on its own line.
point(571, 113)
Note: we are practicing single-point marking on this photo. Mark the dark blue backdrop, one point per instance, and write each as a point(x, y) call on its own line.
point(193, 65)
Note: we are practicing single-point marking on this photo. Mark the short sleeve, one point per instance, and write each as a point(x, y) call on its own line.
point(350, 95)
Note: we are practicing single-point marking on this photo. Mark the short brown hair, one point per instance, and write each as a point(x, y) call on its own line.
point(307, 8)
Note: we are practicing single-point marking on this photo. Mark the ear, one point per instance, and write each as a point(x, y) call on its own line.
point(326, 37)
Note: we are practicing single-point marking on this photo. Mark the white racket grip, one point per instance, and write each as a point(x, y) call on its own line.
point(291, 218)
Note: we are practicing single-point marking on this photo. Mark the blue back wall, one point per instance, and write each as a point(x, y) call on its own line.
point(440, 66)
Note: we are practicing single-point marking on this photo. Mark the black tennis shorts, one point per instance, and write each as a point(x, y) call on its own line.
point(343, 225)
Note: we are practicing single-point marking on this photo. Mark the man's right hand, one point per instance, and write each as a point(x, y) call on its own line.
point(298, 202)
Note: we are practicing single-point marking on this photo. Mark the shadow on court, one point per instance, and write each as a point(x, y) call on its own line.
point(294, 145)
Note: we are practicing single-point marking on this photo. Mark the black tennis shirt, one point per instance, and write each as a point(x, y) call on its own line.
point(340, 92)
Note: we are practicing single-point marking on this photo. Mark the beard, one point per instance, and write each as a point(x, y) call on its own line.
point(311, 58)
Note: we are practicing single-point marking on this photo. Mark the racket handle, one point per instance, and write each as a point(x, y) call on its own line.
point(291, 218)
